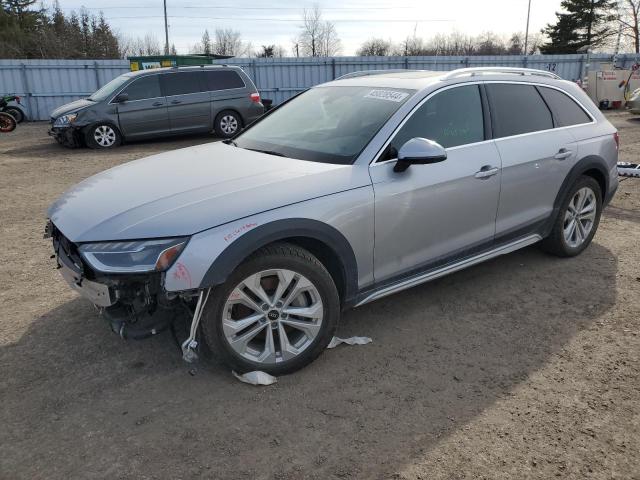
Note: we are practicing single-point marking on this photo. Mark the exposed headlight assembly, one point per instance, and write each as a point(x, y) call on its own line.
point(64, 120)
point(136, 256)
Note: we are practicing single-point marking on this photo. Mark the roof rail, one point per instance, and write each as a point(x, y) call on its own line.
point(365, 73)
point(488, 70)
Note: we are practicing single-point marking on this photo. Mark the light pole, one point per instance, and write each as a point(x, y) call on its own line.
point(166, 30)
point(526, 35)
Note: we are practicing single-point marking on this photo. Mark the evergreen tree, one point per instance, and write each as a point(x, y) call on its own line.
point(582, 23)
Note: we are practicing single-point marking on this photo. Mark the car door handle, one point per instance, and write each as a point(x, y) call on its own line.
point(175, 102)
point(486, 172)
point(562, 154)
point(157, 104)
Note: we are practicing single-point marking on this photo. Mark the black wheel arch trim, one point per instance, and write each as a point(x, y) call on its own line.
point(279, 230)
point(591, 162)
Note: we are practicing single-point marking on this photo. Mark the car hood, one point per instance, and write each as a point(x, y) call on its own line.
point(71, 107)
point(185, 191)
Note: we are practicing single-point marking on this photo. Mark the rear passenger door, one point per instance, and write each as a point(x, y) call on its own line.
point(188, 101)
point(536, 156)
point(145, 112)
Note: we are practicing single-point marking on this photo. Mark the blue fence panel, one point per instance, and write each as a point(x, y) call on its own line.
point(47, 84)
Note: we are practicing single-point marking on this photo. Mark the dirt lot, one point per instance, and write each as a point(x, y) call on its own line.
point(524, 367)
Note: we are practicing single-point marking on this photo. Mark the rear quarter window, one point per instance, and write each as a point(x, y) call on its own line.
point(223, 80)
point(566, 112)
point(517, 109)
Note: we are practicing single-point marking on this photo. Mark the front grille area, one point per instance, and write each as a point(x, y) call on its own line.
point(65, 247)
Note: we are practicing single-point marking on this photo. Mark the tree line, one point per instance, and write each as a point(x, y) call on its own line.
point(29, 30)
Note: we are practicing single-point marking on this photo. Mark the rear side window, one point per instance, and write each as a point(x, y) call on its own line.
point(223, 80)
point(517, 109)
point(451, 118)
point(145, 87)
point(182, 83)
point(565, 111)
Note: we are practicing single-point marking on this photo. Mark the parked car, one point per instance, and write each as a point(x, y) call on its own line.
point(633, 104)
point(160, 102)
point(351, 191)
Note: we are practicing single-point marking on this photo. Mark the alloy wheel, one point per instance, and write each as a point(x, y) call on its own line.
point(104, 135)
point(272, 316)
point(579, 217)
point(228, 124)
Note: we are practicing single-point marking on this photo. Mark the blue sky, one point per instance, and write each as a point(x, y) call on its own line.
point(277, 21)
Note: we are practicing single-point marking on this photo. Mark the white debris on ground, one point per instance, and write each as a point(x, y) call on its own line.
point(256, 378)
point(263, 378)
point(335, 341)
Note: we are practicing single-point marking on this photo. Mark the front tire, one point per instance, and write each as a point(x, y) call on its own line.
point(102, 136)
point(276, 313)
point(577, 220)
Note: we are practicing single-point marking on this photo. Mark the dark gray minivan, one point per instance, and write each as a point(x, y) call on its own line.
point(160, 102)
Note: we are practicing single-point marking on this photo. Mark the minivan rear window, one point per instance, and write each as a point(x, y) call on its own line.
point(223, 80)
point(182, 83)
point(565, 111)
point(517, 109)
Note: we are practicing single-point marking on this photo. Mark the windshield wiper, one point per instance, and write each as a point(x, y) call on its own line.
point(230, 142)
point(268, 152)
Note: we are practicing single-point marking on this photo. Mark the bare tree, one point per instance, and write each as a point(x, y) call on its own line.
point(629, 19)
point(139, 46)
point(318, 38)
point(375, 47)
point(206, 43)
point(228, 42)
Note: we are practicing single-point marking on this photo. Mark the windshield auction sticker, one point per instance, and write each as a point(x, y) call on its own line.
point(390, 95)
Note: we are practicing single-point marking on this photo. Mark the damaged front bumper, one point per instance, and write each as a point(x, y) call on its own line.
point(136, 305)
point(67, 136)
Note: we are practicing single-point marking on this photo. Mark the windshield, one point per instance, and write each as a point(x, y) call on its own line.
point(109, 88)
point(325, 124)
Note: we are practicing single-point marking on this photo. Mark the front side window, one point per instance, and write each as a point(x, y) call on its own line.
point(110, 88)
point(143, 88)
point(565, 111)
point(182, 83)
point(325, 124)
point(517, 109)
point(451, 118)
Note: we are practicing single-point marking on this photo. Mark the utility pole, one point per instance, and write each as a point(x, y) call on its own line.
point(526, 35)
point(166, 30)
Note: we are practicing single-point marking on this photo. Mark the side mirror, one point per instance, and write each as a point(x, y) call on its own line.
point(419, 151)
point(121, 97)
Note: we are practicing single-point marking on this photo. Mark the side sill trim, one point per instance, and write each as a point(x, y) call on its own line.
point(454, 267)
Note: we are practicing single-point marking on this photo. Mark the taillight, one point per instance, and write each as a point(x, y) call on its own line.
point(255, 97)
point(616, 137)
point(18, 99)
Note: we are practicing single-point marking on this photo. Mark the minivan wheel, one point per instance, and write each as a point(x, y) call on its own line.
point(227, 124)
point(577, 220)
point(276, 313)
point(102, 135)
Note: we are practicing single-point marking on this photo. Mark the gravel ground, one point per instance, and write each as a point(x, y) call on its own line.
point(523, 367)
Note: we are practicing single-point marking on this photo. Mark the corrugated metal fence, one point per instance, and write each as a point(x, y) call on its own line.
point(46, 84)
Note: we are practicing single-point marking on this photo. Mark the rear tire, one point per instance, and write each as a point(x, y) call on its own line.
point(102, 136)
point(276, 312)
point(15, 113)
point(577, 219)
point(227, 124)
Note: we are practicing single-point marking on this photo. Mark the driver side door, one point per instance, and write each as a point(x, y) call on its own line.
point(431, 214)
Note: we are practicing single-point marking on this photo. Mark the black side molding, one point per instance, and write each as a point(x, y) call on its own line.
point(263, 235)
